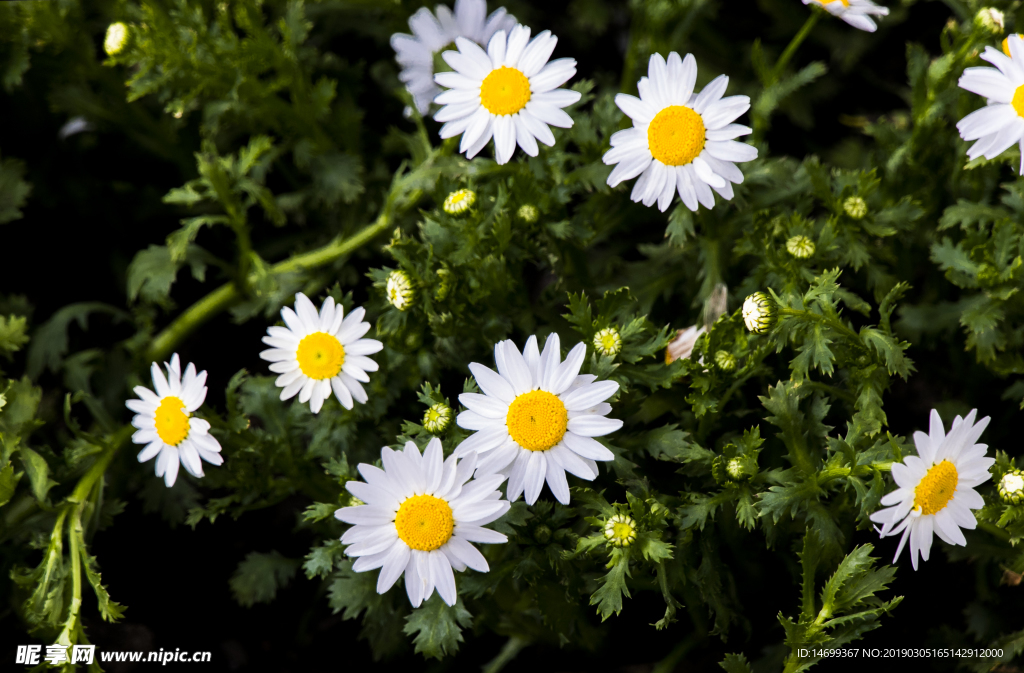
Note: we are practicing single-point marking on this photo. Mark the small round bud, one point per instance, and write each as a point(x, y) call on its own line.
point(437, 418)
point(741, 468)
point(528, 213)
point(1011, 487)
point(855, 207)
point(607, 341)
point(459, 202)
point(759, 313)
point(990, 19)
point(800, 247)
point(620, 531)
point(682, 345)
point(116, 38)
point(725, 360)
point(400, 290)
point(445, 286)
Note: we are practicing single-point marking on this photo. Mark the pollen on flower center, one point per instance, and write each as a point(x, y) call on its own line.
point(505, 91)
point(424, 522)
point(676, 135)
point(1018, 101)
point(537, 420)
point(171, 422)
point(936, 488)
point(846, 3)
point(320, 356)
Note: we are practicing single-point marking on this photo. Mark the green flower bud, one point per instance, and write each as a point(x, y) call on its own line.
point(459, 202)
point(437, 418)
point(400, 290)
point(607, 341)
point(800, 247)
point(542, 534)
point(1011, 487)
point(725, 360)
point(528, 213)
point(855, 207)
point(116, 39)
point(759, 313)
point(620, 531)
point(990, 20)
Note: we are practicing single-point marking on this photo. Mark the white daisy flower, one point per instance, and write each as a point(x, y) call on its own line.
point(936, 487)
point(537, 418)
point(857, 13)
point(166, 425)
point(680, 141)
point(682, 345)
point(420, 516)
point(508, 92)
point(432, 34)
point(999, 124)
point(315, 353)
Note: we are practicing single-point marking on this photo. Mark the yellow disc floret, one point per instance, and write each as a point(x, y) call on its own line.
point(936, 488)
point(537, 420)
point(320, 356)
point(424, 522)
point(171, 421)
point(505, 91)
point(1006, 44)
point(676, 135)
point(620, 530)
point(1018, 101)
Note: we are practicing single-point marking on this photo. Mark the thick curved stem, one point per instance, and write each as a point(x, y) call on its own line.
point(227, 295)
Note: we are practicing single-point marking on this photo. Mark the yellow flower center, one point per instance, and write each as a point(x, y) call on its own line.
point(171, 421)
point(424, 522)
point(537, 420)
point(846, 3)
point(1018, 101)
point(621, 531)
point(676, 135)
point(320, 356)
point(936, 489)
point(505, 91)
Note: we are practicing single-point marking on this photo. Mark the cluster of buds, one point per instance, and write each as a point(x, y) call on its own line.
point(608, 341)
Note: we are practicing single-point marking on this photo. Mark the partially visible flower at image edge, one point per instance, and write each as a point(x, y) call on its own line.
point(681, 141)
point(935, 489)
point(432, 34)
point(537, 418)
point(166, 425)
point(421, 514)
point(1000, 123)
point(857, 13)
point(317, 353)
point(509, 93)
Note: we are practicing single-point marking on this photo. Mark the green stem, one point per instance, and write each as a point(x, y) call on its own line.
point(514, 645)
point(228, 294)
point(793, 45)
point(992, 529)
